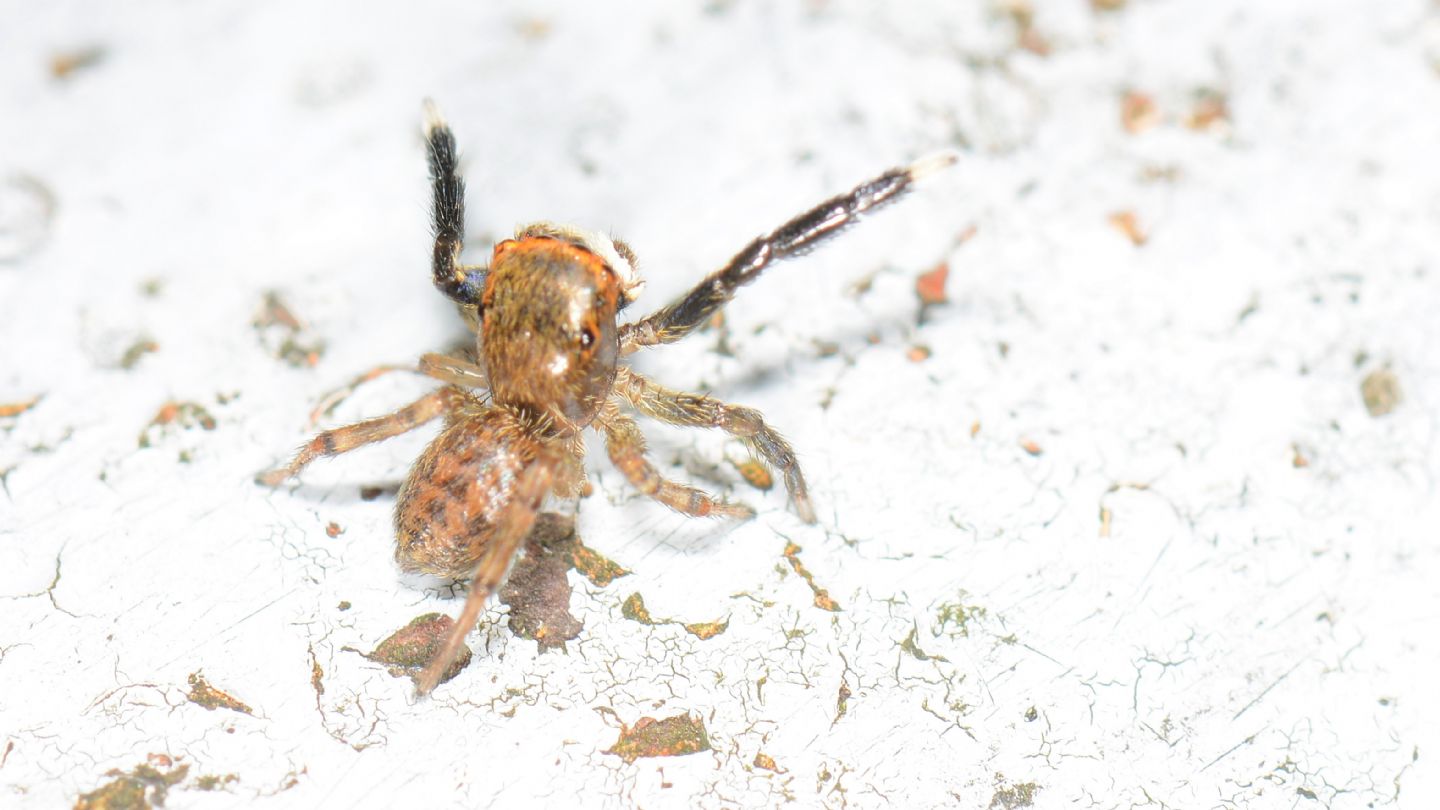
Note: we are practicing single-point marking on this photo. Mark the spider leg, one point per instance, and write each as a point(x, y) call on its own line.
point(797, 236)
point(626, 446)
point(745, 424)
point(463, 284)
point(453, 370)
point(514, 525)
point(344, 439)
point(443, 367)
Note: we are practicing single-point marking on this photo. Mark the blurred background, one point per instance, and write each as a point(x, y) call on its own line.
point(1122, 432)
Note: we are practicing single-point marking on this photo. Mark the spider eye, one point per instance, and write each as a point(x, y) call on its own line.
point(587, 337)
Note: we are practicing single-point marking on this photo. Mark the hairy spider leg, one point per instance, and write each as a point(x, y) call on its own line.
point(745, 424)
point(463, 284)
point(344, 439)
point(443, 367)
point(626, 446)
point(795, 237)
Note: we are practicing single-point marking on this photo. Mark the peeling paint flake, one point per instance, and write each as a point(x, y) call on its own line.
point(755, 474)
point(672, 737)
point(182, 414)
point(8, 409)
point(706, 630)
point(593, 566)
point(203, 694)
point(408, 650)
point(635, 610)
point(143, 788)
point(822, 596)
point(283, 334)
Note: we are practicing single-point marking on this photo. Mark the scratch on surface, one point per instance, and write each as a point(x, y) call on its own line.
point(1267, 689)
point(222, 631)
point(1232, 749)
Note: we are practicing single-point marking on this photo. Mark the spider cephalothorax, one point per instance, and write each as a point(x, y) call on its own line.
point(549, 351)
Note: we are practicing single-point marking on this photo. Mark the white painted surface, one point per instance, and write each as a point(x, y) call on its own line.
point(1250, 633)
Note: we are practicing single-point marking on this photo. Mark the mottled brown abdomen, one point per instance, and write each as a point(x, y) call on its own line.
point(450, 503)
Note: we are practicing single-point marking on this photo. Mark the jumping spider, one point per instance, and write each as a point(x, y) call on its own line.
point(549, 354)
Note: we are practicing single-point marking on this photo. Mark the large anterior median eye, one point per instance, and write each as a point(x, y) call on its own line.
point(587, 337)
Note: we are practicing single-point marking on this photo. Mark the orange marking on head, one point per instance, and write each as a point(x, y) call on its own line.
point(606, 279)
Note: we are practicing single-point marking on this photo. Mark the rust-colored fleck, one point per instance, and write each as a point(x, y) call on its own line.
point(1106, 518)
point(275, 312)
point(1298, 460)
point(595, 567)
point(65, 63)
point(755, 474)
point(873, 338)
point(1107, 5)
point(1138, 112)
point(143, 788)
point(533, 28)
point(1381, 392)
point(17, 408)
point(706, 630)
point(822, 596)
point(332, 529)
point(370, 493)
point(1125, 222)
point(764, 760)
point(975, 428)
point(671, 737)
point(918, 353)
point(1210, 113)
point(1026, 36)
point(212, 781)
point(409, 649)
point(203, 694)
point(141, 347)
point(634, 609)
point(538, 588)
point(281, 332)
point(184, 414)
point(1031, 446)
point(930, 286)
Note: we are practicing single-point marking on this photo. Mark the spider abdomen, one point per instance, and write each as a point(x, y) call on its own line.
point(457, 491)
